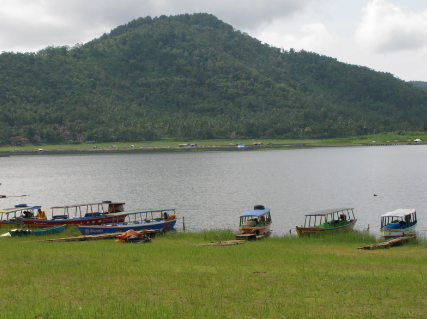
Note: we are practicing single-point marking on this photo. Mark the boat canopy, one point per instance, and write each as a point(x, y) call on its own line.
point(401, 212)
point(90, 204)
point(143, 211)
point(17, 209)
point(329, 211)
point(255, 212)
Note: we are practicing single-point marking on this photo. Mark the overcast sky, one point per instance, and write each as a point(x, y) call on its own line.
point(384, 35)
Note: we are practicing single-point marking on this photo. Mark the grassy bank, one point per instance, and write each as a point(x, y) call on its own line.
point(171, 143)
point(175, 277)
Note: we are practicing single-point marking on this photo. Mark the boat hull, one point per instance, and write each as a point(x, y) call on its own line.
point(45, 223)
point(307, 231)
point(38, 232)
point(110, 229)
point(254, 230)
point(396, 233)
point(5, 224)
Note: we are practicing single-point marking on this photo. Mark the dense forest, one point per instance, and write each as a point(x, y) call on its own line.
point(194, 76)
point(420, 84)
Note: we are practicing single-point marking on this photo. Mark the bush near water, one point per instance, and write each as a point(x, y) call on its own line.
point(176, 277)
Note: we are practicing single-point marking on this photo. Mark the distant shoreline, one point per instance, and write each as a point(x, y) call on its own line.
point(212, 148)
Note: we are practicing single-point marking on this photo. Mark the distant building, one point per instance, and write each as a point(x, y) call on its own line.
point(418, 141)
point(257, 144)
point(19, 140)
point(184, 145)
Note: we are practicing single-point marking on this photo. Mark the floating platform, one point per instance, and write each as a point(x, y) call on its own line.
point(389, 243)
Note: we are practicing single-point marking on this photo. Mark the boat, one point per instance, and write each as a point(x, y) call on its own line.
point(398, 223)
point(12, 217)
point(147, 219)
point(81, 214)
point(37, 232)
point(255, 221)
point(327, 221)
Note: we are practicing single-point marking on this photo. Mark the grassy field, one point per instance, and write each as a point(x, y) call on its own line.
point(171, 143)
point(176, 277)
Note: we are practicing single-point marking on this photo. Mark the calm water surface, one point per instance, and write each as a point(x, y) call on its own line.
point(211, 189)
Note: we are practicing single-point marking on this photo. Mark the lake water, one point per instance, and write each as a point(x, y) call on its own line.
point(211, 189)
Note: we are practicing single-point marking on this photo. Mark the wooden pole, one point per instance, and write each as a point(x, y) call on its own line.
point(183, 224)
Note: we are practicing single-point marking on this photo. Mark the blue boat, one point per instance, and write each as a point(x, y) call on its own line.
point(147, 219)
point(398, 223)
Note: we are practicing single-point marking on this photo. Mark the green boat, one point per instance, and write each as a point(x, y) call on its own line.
point(37, 232)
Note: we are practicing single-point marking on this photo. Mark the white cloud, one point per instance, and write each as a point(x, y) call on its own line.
point(387, 28)
point(313, 37)
point(35, 24)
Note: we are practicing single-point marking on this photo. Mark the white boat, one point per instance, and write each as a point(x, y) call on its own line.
point(398, 223)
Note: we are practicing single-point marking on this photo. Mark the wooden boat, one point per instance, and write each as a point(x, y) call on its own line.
point(327, 221)
point(135, 220)
point(82, 214)
point(255, 221)
point(398, 223)
point(12, 217)
point(37, 232)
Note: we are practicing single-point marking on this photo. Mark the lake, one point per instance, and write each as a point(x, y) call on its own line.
point(211, 189)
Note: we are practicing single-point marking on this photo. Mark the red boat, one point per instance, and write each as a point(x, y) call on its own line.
point(82, 214)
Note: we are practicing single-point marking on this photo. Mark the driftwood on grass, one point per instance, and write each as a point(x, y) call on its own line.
point(149, 233)
point(389, 243)
point(224, 243)
point(82, 238)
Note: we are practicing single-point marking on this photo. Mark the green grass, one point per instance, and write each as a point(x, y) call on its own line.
point(175, 277)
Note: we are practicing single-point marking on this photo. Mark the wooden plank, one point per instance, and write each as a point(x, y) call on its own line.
point(224, 243)
point(150, 233)
point(389, 243)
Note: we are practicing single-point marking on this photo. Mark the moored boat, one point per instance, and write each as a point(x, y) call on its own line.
point(136, 220)
point(12, 217)
point(255, 221)
point(327, 221)
point(37, 232)
point(398, 223)
point(81, 214)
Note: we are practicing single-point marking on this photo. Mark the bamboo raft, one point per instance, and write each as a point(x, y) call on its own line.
point(150, 233)
point(389, 243)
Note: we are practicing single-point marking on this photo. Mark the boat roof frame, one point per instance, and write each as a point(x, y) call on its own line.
point(401, 212)
point(90, 204)
point(142, 211)
point(330, 211)
point(17, 209)
point(255, 212)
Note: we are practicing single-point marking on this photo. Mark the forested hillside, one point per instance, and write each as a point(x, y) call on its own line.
point(194, 76)
point(420, 84)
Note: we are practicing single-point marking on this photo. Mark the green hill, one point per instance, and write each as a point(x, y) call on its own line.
point(194, 76)
point(420, 84)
